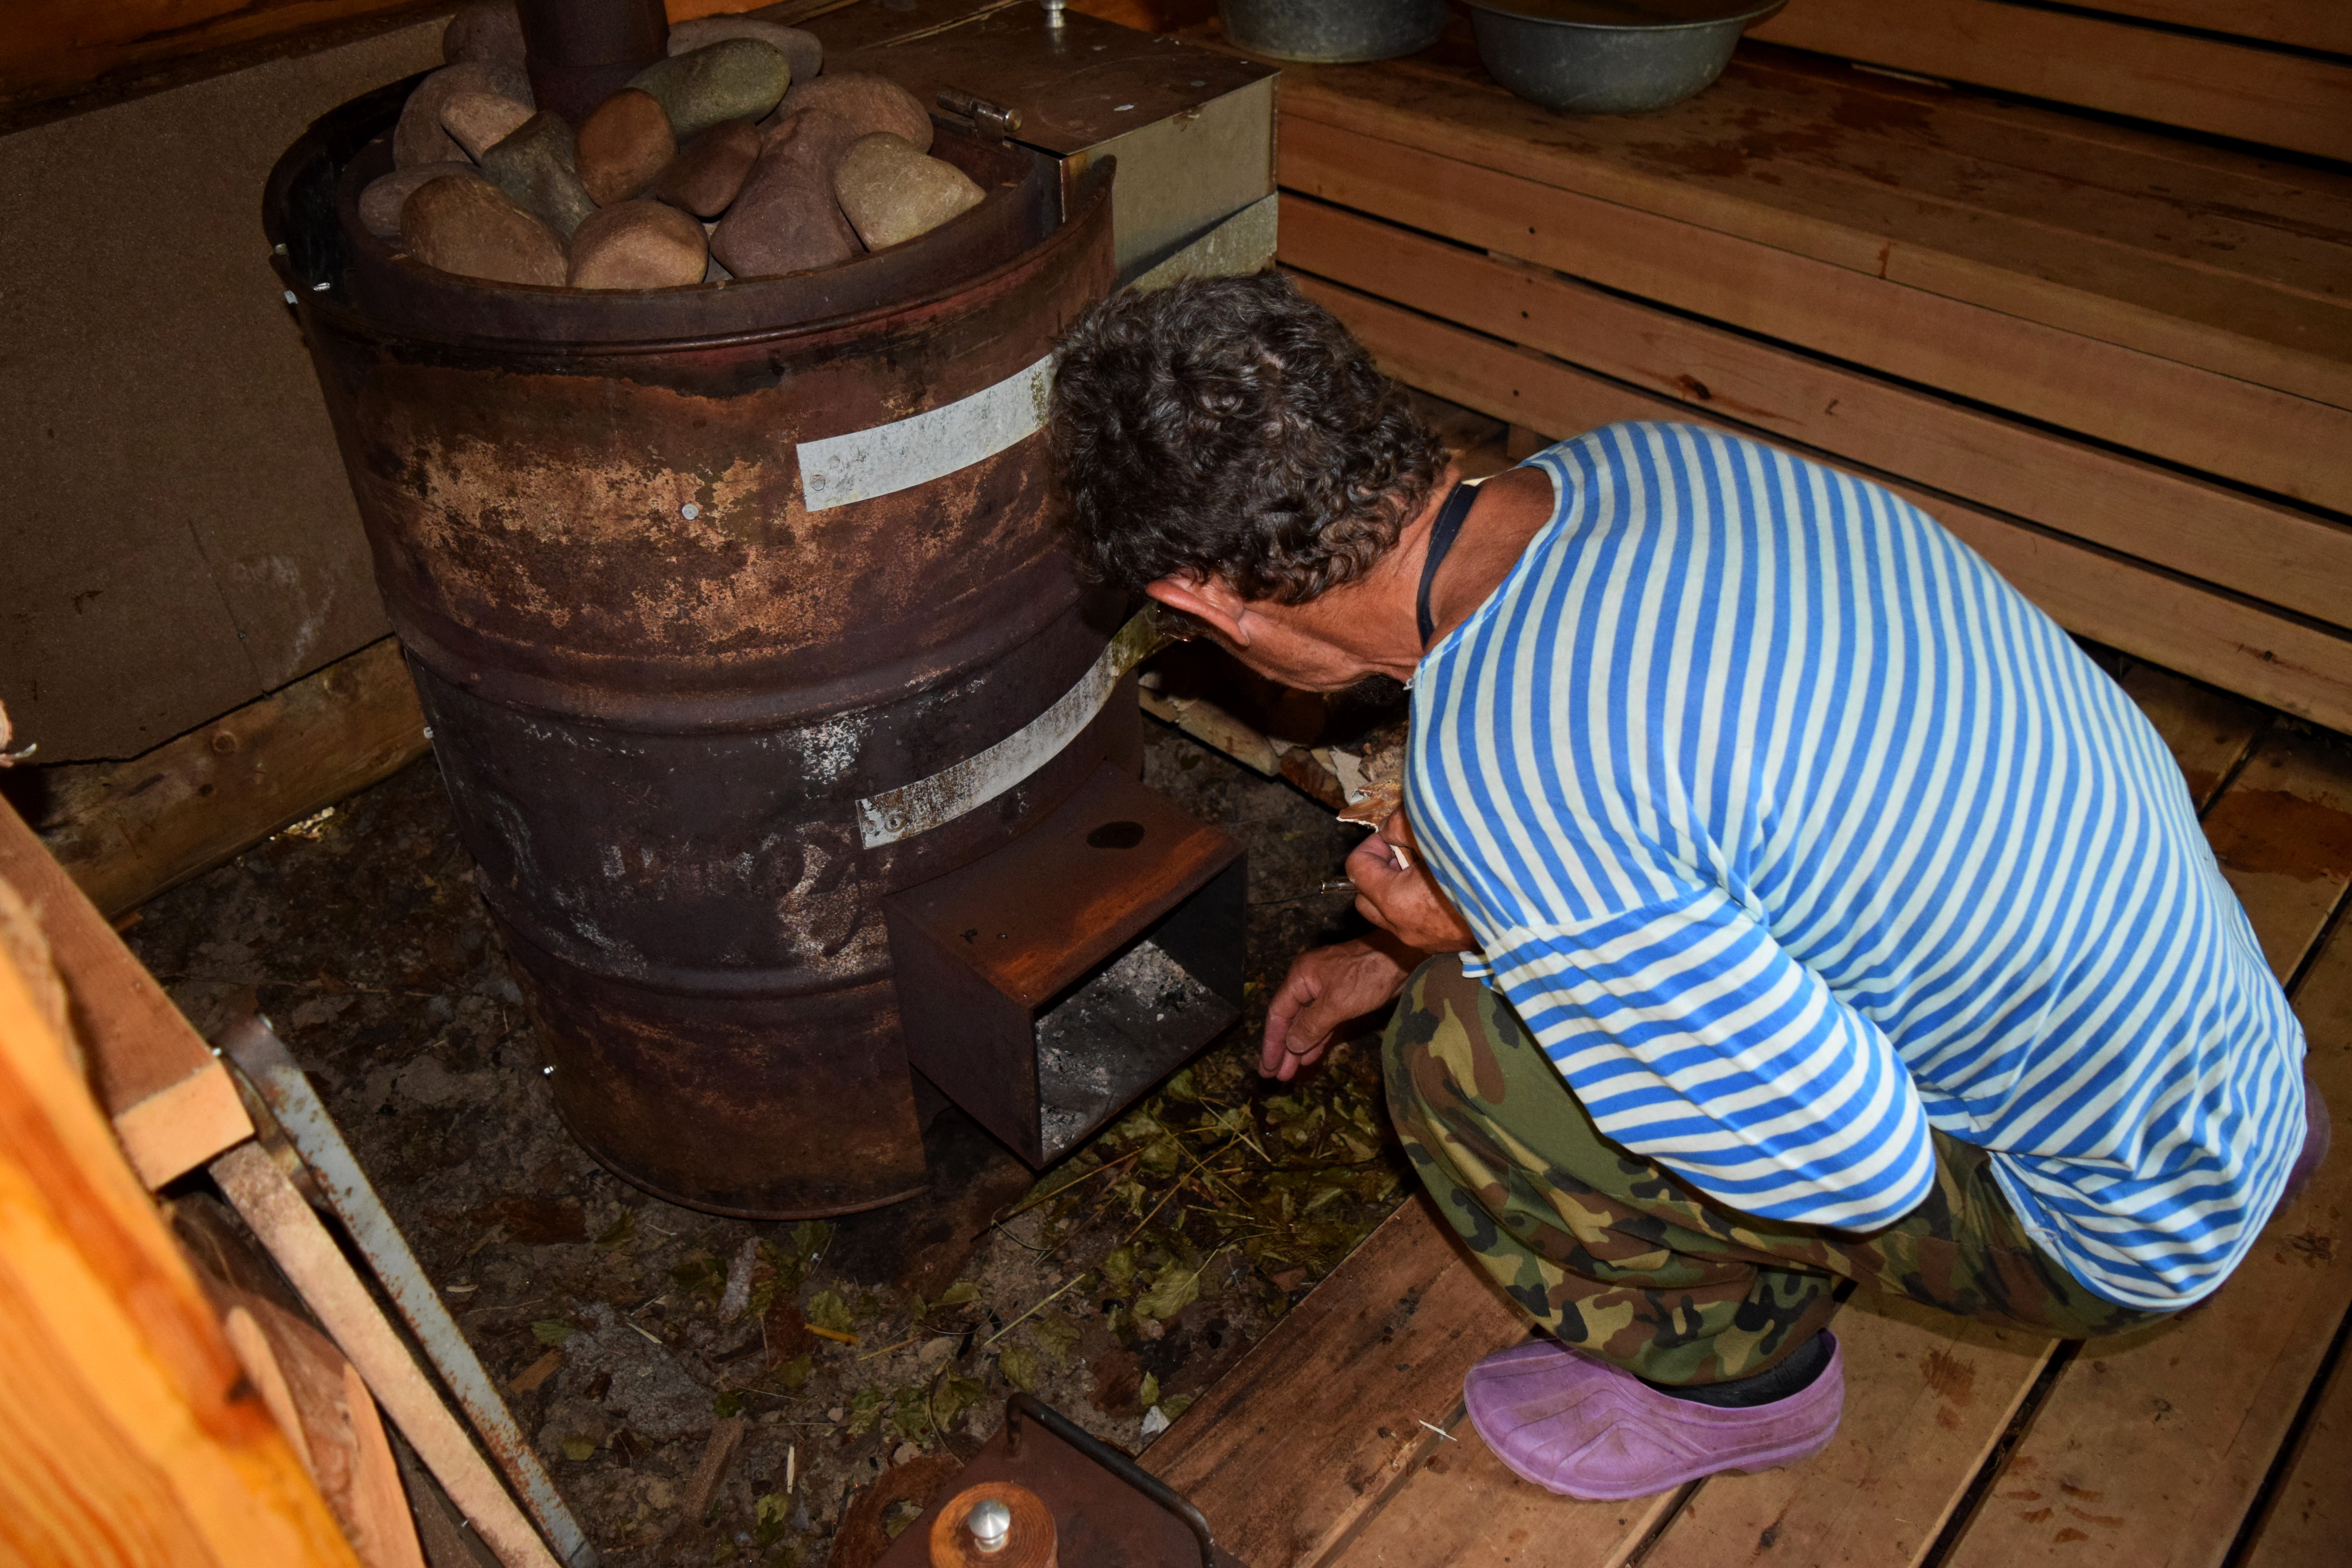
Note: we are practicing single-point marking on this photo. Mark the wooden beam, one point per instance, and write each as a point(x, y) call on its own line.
point(128, 1431)
point(172, 1101)
point(2268, 96)
point(2267, 551)
point(128, 831)
point(2261, 437)
point(1294, 1449)
point(2200, 632)
point(2324, 24)
point(1465, 1510)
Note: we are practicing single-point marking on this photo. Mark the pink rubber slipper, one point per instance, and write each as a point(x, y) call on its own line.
point(1582, 1427)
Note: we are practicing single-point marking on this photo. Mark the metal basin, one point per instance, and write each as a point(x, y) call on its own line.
point(1610, 56)
point(1332, 32)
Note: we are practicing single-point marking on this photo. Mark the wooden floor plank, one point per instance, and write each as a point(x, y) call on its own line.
point(2150, 1448)
point(2282, 832)
point(1297, 1447)
point(1926, 1397)
point(1463, 1509)
point(2209, 731)
point(2310, 1525)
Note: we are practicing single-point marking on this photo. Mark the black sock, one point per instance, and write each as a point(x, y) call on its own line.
point(1777, 1383)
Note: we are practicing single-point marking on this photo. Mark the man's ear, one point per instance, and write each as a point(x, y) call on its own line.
point(1210, 600)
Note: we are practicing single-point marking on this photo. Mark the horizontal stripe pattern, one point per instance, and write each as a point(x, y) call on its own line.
point(1791, 830)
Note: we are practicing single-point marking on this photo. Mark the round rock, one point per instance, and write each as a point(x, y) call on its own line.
point(489, 31)
point(479, 121)
point(800, 49)
point(891, 193)
point(465, 224)
point(419, 138)
point(381, 202)
point(623, 146)
point(734, 78)
point(638, 244)
point(869, 103)
point(710, 172)
point(787, 219)
point(534, 166)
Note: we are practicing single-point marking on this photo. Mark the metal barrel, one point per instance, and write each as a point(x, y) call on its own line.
point(661, 671)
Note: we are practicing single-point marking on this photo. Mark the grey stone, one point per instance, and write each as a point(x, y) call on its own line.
point(465, 224)
point(867, 102)
point(623, 146)
point(419, 137)
point(381, 202)
point(800, 49)
point(734, 79)
point(489, 31)
point(787, 219)
point(534, 166)
point(638, 244)
point(892, 193)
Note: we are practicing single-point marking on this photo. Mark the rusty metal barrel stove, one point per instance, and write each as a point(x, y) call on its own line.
point(682, 578)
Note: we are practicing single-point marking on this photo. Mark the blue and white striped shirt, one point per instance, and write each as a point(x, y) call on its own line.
point(1791, 830)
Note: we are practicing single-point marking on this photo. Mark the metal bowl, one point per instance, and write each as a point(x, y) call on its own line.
point(1332, 32)
point(1610, 56)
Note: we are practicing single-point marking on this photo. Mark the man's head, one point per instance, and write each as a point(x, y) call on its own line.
point(1225, 443)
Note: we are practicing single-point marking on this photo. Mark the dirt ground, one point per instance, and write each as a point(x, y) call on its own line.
point(627, 1331)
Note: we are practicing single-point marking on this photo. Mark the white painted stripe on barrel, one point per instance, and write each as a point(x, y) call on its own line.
point(933, 802)
point(905, 453)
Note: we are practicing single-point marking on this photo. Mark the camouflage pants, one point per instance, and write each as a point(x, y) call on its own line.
point(1610, 1252)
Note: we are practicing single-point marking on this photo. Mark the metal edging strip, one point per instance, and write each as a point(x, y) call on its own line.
point(841, 470)
point(933, 802)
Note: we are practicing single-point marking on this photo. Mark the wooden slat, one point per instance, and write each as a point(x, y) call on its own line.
point(2258, 95)
point(172, 1103)
point(2310, 1518)
point(2268, 550)
point(1926, 1397)
point(2282, 834)
point(127, 1432)
point(1292, 1451)
point(2150, 1448)
point(2304, 24)
point(2209, 731)
point(2266, 438)
point(2203, 633)
point(1463, 1509)
point(2211, 259)
point(128, 831)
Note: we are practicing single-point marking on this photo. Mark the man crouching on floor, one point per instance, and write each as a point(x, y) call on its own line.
point(1805, 905)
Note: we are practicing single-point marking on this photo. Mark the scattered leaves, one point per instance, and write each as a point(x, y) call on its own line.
point(1148, 1395)
point(579, 1449)
point(1018, 1366)
point(826, 1309)
point(1175, 1289)
point(618, 1235)
point(1120, 1267)
point(770, 1516)
point(552, 1331)
point(727, 1404)
point(700, 1274)
point(864, 1410)
point(794, 1373)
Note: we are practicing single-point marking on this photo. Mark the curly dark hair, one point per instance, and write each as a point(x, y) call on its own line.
point(1231, 427)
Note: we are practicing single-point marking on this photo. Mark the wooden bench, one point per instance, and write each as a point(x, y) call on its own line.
point(2118, 361)
point(1334, 1441)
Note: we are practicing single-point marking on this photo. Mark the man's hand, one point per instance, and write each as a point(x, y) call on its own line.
point(1324, 989)
point(1396, 893)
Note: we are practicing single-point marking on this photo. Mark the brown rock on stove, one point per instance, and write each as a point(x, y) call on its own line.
point(479, 121)
point(788, 220)
point(709, 171)
point(800, 49)
point(623, 146)
point(381, 202)
point(419, 138)
point(638, 244)
point(868, 103)
point(890, 192)
point(465, 224)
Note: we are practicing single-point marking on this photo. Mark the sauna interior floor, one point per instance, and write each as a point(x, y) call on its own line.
point(2223, 1437)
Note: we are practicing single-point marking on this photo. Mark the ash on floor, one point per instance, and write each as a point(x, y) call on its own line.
point(1121, 1031)
point(866, 1354)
